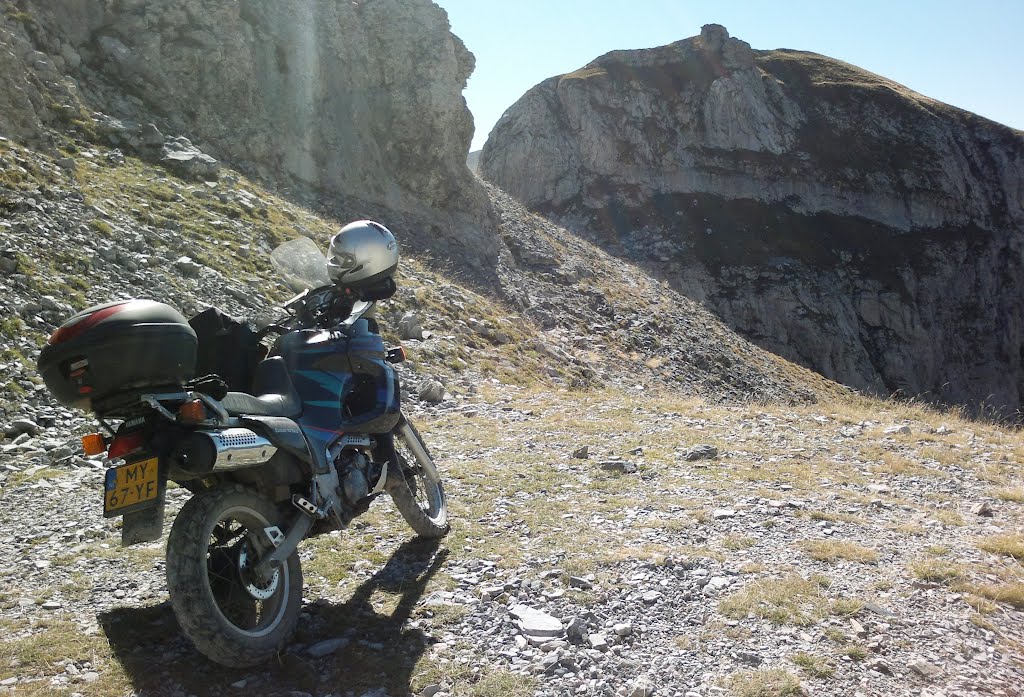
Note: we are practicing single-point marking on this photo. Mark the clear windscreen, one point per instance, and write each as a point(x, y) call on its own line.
point(301, 264)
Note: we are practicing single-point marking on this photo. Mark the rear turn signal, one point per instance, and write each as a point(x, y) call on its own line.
point(192, 412)
point(93, 444)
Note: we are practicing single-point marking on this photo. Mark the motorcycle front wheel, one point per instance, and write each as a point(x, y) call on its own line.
point(232, 615)
point(415, 485)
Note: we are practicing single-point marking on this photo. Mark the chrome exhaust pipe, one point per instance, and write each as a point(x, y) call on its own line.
point(238, 448)
point(205, 452)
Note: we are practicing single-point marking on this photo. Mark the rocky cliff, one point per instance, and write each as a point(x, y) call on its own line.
point(360, 101)
point(831, 215)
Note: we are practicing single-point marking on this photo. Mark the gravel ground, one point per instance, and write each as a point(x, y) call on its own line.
point(620, 573)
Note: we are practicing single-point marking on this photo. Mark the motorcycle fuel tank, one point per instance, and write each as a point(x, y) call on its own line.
point(344, 381)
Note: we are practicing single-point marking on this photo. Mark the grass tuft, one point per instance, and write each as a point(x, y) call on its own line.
point(1011, 494)
point(814, 666)
point(837, 635)
point(466, 681)
point(738, 542)
point(855, 653)
point(831, 551)
point(789, 600)
point(1010, 593)
point(583, 74)
point(1008, 545)
point(936, 571)
point(774, 682)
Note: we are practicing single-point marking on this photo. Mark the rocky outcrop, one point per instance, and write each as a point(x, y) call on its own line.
point(358, 100)
point(19, 99)
point(34, 94)
point(831, 215)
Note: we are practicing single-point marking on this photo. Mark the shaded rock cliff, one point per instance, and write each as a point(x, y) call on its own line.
point(361, 101)
point(831, 215)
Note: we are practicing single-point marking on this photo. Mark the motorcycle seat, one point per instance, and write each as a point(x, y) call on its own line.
point(273, 393)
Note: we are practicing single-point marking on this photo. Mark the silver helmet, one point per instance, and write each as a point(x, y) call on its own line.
point(361, 254)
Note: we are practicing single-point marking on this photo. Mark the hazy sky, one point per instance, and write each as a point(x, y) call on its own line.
point(968, 53)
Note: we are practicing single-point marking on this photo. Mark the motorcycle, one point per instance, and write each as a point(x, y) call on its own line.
point(316, 439)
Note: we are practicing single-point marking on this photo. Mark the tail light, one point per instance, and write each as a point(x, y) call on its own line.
point(71, 329)
point(126, 444)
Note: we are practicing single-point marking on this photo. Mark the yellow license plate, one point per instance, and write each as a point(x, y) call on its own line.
point(129, 485)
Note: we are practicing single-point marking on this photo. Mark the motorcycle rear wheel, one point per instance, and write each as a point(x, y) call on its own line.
point(232, 617)
point(415, 486)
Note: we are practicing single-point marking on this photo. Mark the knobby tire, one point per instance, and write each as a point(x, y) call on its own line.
point(191, 589)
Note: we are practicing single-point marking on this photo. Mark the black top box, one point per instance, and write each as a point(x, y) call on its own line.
point(115, 350)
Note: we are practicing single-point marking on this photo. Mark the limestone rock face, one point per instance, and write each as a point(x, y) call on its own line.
point(360, 100)
point(18, 96)
point(33, 93)
point(833, 216)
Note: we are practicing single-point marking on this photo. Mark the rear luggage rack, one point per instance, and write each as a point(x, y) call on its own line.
point(130, 403)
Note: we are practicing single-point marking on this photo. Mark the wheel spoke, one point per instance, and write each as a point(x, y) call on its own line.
point(230, 582)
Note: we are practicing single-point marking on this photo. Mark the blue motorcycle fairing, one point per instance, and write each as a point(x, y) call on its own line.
point(344, 382)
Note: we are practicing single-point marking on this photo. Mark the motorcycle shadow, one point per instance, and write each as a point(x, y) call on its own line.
point(378, 649)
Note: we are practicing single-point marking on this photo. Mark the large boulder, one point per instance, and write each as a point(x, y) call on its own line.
point(833, 216)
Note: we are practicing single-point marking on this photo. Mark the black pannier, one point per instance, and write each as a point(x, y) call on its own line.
point(228, 348)
point(104, 355)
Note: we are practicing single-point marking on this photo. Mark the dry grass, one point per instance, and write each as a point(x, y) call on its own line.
point(36, 656)
point(1007, 545)
point(1010, 593)
point(937, 571)
point(909, 529)
point(894, 464)
point(583, 74)
point(753, 568)
point(31, 475)
point(832, 551)
point(1011, 494)
point(464, 680)
point(846, 607)
point(855, 653)
point(943, 456)
point(838, 517)
point(835, 634)
point(947, 517)
point(1000, 474)
point(814, 666)
point(982, 606)
point(738, 542)
point(788, 600)
point(516, 494)
point(765, 683)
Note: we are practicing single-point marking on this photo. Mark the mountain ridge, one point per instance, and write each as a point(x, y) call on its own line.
point(826, 213)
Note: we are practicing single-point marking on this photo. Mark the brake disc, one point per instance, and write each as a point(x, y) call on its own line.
point(253, 586)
